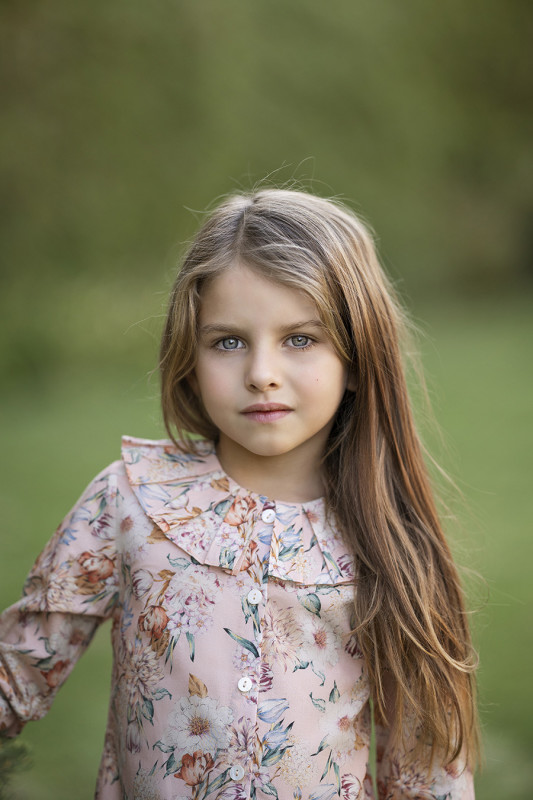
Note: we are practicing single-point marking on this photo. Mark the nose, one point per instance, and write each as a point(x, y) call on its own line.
point(262, 371)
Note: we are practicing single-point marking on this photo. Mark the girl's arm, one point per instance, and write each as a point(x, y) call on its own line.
point(71, 589)
point(406, 774)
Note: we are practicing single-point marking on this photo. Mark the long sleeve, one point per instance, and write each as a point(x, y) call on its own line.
point(71, 588)
point(401, 778)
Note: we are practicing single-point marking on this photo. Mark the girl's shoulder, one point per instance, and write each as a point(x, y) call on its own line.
point(160, 461)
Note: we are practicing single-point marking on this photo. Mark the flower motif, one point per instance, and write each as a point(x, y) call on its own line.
point(133, 737)
point(59, 592)
point(326, 791)
point(95, 566)
point(233, 792)
point(282, 638)
point(321, 642)
point(142, 581)
point(144, 787)
point(193, 768)
point(406, 781)
point(190, 597)
point(240, 511)
point(133, 531)
point(350, 787)
point(55, 676)
point(267, 677)
point(142, 673)
point(154, 621)
point(270, 711)
point(352, 646)
point(199, 724)
point(297, 767)
point(248, 559)
point(346, 565)
point(242, 741)
point(339, 726)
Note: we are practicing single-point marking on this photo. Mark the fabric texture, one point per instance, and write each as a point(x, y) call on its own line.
point(235, 673)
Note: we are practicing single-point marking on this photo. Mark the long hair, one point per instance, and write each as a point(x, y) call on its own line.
point(410, 616)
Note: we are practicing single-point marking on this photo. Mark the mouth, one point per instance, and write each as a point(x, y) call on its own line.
point(266, 412)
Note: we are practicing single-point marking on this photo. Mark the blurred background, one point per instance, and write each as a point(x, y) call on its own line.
point(120, 121)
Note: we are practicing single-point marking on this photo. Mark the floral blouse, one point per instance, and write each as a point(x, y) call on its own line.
point(235, 674)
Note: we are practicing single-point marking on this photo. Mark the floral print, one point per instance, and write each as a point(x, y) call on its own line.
point(236, 673)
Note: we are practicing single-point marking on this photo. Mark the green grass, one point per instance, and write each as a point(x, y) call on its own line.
point(55, 438)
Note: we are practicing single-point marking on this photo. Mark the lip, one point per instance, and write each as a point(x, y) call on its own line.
point(266, 407)
point(266, 412)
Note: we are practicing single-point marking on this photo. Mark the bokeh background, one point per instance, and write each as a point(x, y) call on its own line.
point(121, 120)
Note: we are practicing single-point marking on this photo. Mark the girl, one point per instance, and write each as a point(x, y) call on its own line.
point(272, 579)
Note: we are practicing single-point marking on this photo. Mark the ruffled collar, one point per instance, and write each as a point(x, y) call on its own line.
point(217, 522)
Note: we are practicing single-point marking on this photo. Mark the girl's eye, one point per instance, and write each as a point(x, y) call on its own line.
point(231, 343)
point(300, 341)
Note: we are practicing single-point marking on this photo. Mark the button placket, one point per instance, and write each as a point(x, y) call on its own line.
point(254, 597)
point(244, 684)
point(236, 772)
point(268, 516)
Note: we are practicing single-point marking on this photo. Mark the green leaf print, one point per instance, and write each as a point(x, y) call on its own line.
point(318, 702)
point(226, 558)
point(180, 563)
point(334, 694)
point(190, 639)
point(222, 507)
point(43, 663)
point(148, 711)
point(172, 765)
point(243, 642)
point(273, 756)
point(329, 558)
point(322, 746)
point(327, 767)
point(337, 777)
point(159, 693)
point(165, 748)
point(170, 649)
point(217, 783)
point(267, 788)
point(312, 603)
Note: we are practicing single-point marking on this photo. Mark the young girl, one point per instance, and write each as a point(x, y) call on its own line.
point(275, 579)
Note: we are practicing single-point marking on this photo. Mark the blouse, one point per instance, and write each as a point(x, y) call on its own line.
point(236, 675)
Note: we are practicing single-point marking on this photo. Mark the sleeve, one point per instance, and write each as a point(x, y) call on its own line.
point(402, 777)
point(71, 588)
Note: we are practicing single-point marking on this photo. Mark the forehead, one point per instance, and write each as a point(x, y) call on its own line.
point(240, 293)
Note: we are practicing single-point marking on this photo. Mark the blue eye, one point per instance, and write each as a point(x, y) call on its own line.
point(231, 343)
point(300, 341)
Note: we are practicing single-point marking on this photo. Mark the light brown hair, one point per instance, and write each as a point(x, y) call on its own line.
point(410, 616)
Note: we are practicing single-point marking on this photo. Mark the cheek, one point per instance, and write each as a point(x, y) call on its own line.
point(212, 381)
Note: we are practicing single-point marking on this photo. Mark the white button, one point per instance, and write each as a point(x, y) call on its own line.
point(245, 684)
point(236, 772)
point(268, 515)
point(254, 597)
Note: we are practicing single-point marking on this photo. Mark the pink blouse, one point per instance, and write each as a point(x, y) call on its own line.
point(235, 674)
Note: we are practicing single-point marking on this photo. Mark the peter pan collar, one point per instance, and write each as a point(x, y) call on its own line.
point(213, 519)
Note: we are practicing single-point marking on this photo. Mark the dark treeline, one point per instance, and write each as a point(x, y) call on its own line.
point(117, 118)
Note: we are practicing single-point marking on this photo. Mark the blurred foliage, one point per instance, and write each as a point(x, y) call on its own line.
point(14, 755)
point(117, 118)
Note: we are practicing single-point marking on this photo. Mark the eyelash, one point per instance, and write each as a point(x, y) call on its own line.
point(217, 345)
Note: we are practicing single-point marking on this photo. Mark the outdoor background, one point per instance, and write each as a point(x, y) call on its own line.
point(121, 120)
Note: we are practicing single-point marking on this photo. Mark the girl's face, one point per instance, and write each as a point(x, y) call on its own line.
point(266, 371)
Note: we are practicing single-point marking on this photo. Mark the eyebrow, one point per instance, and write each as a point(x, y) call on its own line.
point(284, 329)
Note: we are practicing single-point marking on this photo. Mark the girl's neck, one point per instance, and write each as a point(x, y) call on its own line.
point(289, 478)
